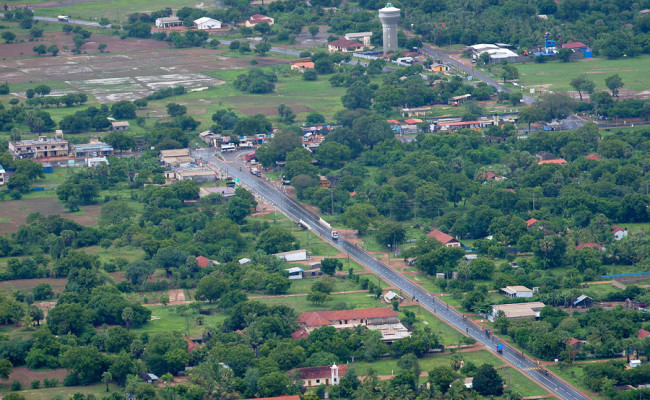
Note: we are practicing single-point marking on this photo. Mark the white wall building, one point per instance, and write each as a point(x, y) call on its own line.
point(207, 23)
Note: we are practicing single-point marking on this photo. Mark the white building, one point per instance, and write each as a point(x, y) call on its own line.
point(295, 272)
point(517, 310)
point(295, 255)
point(168, 22)
point(2, 175)
point(363, 37)
point(95, 161)
point(517, 291)
point(207, 23)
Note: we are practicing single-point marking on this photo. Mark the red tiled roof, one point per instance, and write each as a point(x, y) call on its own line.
point(413, 121)
point(440, 236)
point(490, 175)
point(589, 246)
point(288, 397)
point(324, 318)
point(318, 372)
point(642, 333)
point(573, 341)
point(203, 261)
point(574, 45)
point(255, 18)
point(555, 161)
point(531, 222)
point(616, 228)
point(510, 190)
point(299, 334)
point(304, 64)
point(345, 43)
point(190, 344)
point(461, 123)
point(393, 121)
point(594, 156)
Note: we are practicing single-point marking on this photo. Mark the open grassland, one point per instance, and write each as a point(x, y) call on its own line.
point(447, 335)
point(115, 10)
point(64, 392)
point(558, 75)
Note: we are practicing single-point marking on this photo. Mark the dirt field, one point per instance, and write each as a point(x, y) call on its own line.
point(16, 212)
point(25, 375)
point(270, 111)
point(57, 284)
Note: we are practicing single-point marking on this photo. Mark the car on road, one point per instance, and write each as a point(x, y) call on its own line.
point(63, 18)
point(335, 235)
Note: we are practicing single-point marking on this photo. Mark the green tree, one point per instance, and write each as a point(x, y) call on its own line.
point(211, 288)
point(330, 265)
point(614, 83)
point(85, 362)
point(101, 47)
point(5, 368)
point(333, 154)
point(564, 54)
point(273, 384)
point(582, 84)
point(138, 271)
point(115, 212)
point(442, 377)
point(276, 240)
point(391, 233)
point(8, 36)
point(530, 115)
point(360, 216)
point(487, 382)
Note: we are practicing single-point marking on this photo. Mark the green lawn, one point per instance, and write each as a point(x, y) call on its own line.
point(167, 318)
point(447, 335)
point(558, 75)
point(573, 375)
point(301, 305)
point(64, 392)
point(129, 253)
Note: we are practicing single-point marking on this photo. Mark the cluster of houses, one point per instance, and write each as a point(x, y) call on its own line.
point(49, 149)
point(180, 165)
point(208, 24)
point(413, 125)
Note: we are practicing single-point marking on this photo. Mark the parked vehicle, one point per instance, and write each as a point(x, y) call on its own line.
point(250, 156)
point(228, 147)
point(248, 144)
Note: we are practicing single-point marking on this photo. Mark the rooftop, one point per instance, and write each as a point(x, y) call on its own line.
point(203, 262)
point(574, 45)
point(440, 236)
point(520, 310)
point(554, 161)
point(318, 372)
point(515, 289)
point(322, 318)
point(345, 43)
point(594, 156)
point(589, 246)
point(531, 221)
point(175, 153)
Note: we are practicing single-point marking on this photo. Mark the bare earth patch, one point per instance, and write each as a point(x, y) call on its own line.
point(268, 111)
point(25, 375)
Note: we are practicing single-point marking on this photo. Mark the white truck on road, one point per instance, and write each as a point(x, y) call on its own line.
point(63, 18)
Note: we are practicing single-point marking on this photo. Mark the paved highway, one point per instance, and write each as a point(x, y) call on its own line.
point(269, 193)
point(72, 21)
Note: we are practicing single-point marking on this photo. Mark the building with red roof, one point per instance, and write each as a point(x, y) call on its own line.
point(203, 262)
point(343, 46)
point(443, 238)
point(618, 232)
point(510, 190)
point(642, 334)
point(594, 156)
point(413, 121)
point(301, 65)
point(575, 343)
point(575, 46)
point(190, 344)
point(594, 246)
point(392, 121)
point(257, 18)
point(531, 222)
point(315, 376)
point(560, 161)
point(382, 319)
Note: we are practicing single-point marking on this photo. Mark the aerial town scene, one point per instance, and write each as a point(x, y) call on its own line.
point(324, 199)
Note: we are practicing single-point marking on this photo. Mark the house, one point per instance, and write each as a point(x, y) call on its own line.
point(93, 149)
point(390, 295)
point(119, 126)
point(43, 147)
point(257, 18)
point(202, 262)
point(518, 310)
point(412, 121)
point(415, 112)
point(384, 320)
point(168, 22)
point(456, 100)
point(2, 175)
point(575, 46)
point(148, 377)
point(301, 65)
point(435, 67)
point(363, 37)
point(190, 344)
point(443, 238)
point(323, 181)
point(287, 397)
point(517, 291)
point(594, 156)
point(531, 222)
point(295, 255)
point(454, 126)
point(315, 376)
point(619, 233)
point(560, 161)
point(594, 246)
point(343, 46)
point(225, 191)
point(575, 343)
point(197, 174)
point(95, 161)
point(492, 176)
point(583, 301)
point(295, 273)
point(470, 257)
point(244, 261)
point(175, 157)
point(642, 333)
point(207, 23)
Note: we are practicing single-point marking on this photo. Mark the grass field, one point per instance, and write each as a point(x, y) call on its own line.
point(573, 375)
point(447, 335)
point(558, 75)
point(116, 10)
point(64, 392)
point(167, 318)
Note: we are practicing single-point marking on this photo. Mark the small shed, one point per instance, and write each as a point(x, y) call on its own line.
point(244, 261)
point(517, 291)
point(583, 301)
point(295, 272)
point(390, 296)
point(295, 255)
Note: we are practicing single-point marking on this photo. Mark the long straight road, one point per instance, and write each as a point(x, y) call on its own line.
point(294, 210)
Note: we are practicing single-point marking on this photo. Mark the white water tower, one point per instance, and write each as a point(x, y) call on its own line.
point(389, 17)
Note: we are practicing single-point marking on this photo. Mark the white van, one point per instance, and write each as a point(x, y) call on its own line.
point(335, 235)
point(63, 18)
